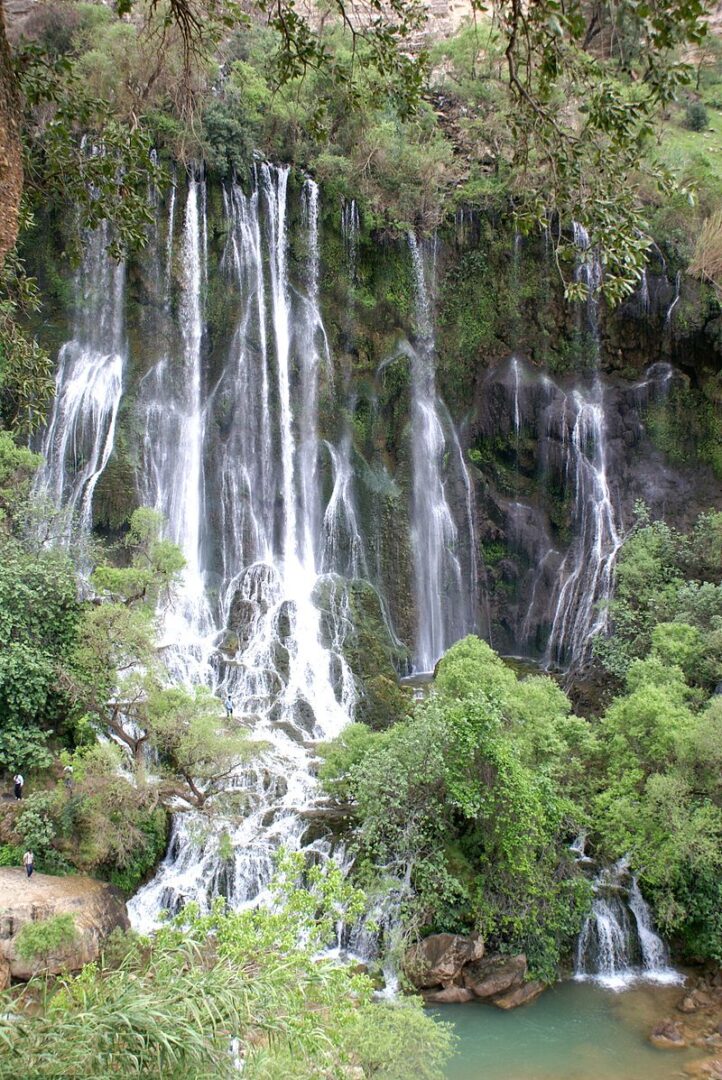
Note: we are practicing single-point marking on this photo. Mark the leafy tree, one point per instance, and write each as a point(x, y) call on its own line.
point(197, 752)
point(668, 600)
point(39, 616)
point(452, 800)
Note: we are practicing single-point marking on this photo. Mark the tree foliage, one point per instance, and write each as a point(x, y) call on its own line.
point(460, 799)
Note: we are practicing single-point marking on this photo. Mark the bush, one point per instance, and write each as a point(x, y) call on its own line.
point(39, 940)
point(695, 117)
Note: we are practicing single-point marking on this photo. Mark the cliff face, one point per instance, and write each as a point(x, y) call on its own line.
point(564, 421)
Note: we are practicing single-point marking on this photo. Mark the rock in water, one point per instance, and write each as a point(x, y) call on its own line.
point(495, 975)
point(522, 995)
point(439, 958)
point(450, 995)
point(97, 909)
point(667, 1035)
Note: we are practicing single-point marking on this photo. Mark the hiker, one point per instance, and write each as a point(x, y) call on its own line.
point(29, 863)
point(18, 781)
point(229, 705)
point(68, 777)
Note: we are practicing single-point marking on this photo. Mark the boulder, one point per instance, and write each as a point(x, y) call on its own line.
point(694, 1001)
point(96, 908)
point(708, 1069)
point(439, 959)
point(449, 995)
point(494, 975)
point(521, 995)
point(667, 1035)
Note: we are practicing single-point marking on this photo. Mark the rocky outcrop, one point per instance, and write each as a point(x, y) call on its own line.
point(96, 908)
point(438, 960)
point(494, 976)
point(522, 995)
point(450, 969)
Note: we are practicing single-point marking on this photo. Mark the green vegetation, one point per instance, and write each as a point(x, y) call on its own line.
point(39, 940)
point(72, 669)
point(475, 797)
point(211, 990)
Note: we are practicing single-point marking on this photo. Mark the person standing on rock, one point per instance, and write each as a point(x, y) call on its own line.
point(229, 706)
point(29, 863)
point(18, 781)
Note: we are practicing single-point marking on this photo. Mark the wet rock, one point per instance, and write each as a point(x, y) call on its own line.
point(289, 729)
point(96, 908)
point(495, 975)
point(710, 1069)
point(281, 660)
point(667, 1035)
point(285, 620)
point(439, 959)
point(229, 643)
point(450, 995)
point(694, 1001)
point(522, 995)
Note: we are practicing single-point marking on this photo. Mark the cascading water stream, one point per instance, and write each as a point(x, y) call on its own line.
point(618, 944)
point(80, 434)
point(586, 573)
point(445, 588)
point(172, 479)
point(258, 438)
point(350, 229)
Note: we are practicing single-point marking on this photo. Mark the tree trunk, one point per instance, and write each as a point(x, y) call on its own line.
point(11, 164)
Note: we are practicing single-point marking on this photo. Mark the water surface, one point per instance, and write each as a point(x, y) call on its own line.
point(575, 1031)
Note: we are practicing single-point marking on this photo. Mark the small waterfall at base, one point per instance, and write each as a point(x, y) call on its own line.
point(445, 587)
point(618, 944)
point(257, 440)
point(79, 437)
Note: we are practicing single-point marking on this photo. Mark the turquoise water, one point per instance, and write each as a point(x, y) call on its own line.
point(575, 1031)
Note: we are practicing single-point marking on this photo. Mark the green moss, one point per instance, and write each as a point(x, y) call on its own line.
point(688, 427)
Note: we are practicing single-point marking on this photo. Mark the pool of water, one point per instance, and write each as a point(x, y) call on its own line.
point(574, 1031)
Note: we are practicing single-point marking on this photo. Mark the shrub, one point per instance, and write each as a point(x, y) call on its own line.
point(38, 940)
point(695, 117)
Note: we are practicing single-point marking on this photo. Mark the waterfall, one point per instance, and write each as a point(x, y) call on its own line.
point(350, 229)
point(675, 300)
point(617, 944)
point(173, 418)
point(586, 573)
point(517, 413)
point(258, 444)
point(79, 437)
point(445, 589)
point(343, 546)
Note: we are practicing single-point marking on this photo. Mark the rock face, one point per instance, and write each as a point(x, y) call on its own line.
point(495, 975)
point(439, 959)
point(97, 909)
point(450, 969)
